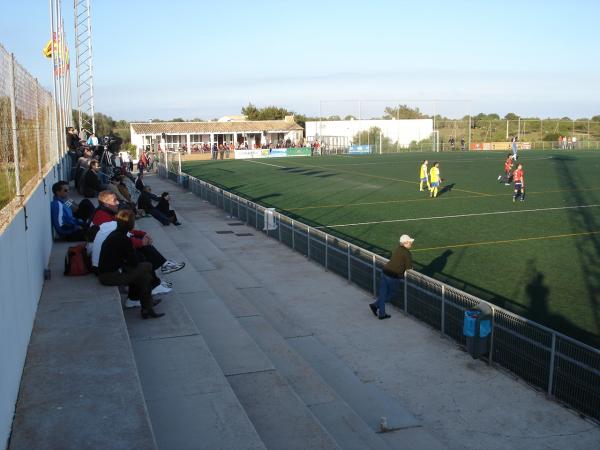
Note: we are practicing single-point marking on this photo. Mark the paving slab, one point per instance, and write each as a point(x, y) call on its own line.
point(235, 351)
point(80, 387)
point(280, 418)
point(190, 402)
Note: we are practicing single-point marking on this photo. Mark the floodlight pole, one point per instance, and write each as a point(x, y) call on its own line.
point(83, 51)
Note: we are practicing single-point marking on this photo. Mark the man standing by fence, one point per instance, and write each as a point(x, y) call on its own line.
point(392, 276)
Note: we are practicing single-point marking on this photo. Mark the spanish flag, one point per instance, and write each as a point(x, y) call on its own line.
point(51, 45)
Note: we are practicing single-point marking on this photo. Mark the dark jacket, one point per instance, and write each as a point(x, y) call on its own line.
point(163, 206)
point(73, 142)
point(399, 263)
point(91, 184)
point(145, 201)
point(116, 253)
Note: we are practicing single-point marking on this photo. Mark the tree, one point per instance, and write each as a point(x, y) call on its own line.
point(595, 119)
point(349, 117)
point(372, 136)
point(250, 111)
point(403, 112)
point(177, 119)
point(511, 116)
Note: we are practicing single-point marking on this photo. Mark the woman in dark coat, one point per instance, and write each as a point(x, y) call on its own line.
point(165, 208)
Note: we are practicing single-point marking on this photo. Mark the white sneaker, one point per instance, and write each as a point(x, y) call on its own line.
point(499, 177)
point(131, 304)
point(160, 289)
point(171, 266)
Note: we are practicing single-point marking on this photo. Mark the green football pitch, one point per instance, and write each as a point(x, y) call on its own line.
point(539, 258)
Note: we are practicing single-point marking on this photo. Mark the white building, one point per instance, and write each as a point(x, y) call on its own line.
point(339, 133)
point(191, 135)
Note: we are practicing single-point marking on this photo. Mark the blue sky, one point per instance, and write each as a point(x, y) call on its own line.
point(189, 59)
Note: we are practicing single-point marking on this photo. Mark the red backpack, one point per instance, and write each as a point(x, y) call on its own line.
point(77, 262)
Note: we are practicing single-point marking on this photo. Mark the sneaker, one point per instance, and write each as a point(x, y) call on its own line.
point(166, 283)
point(499, 177)
point(171, 266)
point(514, 199)
point(131, 304)
point(506, 184)
point(176, 223)
point(160, 289)
point(385, 316)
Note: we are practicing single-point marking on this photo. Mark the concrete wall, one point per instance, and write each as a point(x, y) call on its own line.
point(401, 131)
point(24, 254)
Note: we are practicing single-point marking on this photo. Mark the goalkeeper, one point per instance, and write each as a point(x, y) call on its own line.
point(435, 179)
point(423, 176)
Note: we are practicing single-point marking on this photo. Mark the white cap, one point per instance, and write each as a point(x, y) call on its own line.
point(405, 238)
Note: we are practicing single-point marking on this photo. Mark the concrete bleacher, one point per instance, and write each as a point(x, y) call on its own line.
point(260, 348)
point(80, 386)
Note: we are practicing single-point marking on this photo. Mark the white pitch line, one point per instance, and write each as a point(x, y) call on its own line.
point(458, 215)
point(266, 164)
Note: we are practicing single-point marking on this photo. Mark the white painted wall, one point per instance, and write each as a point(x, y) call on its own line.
point(24, 255)
point(401, 131)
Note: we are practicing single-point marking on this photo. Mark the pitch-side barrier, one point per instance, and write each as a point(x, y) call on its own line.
point(565, 369)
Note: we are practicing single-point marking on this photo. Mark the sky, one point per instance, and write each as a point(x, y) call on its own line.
point(200, 59)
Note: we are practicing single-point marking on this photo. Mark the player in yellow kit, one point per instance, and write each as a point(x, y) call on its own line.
point(424, 176)
point(434, 178)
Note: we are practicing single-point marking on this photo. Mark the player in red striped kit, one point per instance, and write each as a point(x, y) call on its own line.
point(519, 179)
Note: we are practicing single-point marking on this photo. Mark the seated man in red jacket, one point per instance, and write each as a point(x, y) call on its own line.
point(142, 242)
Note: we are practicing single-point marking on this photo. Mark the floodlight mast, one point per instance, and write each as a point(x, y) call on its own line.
point(85, 78)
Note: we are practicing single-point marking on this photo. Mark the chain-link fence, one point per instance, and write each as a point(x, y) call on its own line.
point(28, 135)
point(567, 370)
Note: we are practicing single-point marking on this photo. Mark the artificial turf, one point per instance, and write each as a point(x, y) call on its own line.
point(539, 258)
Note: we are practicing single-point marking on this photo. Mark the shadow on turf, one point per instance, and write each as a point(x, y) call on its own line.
point(308, 172)
point(535, 288)
point(588, 248)
point(437, 265)
point(446, 188)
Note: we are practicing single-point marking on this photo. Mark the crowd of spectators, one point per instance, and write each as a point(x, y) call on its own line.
point(120, 254)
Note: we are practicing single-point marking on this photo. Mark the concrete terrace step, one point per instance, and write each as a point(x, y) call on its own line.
point(191, 404)
point(281, 419)
point(80, 386)
point(285, 374)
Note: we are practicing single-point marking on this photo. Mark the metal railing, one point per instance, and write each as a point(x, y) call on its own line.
point(567, 370)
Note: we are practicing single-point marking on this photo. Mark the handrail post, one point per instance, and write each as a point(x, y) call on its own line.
point(443, 321)
point(406, 292)
point(374, 276)
point(326, 251)
point(349, 270)
point(293, 236)
point(279, 225)
point(308, 241)
point(551, 372)
point(491, 352)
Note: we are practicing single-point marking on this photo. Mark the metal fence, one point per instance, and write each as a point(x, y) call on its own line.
point(567, 370)
point(28, 135)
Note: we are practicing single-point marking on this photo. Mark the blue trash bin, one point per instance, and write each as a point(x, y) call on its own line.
point(477, 327)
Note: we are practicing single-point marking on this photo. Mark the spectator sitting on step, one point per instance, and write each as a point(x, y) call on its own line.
point(142, 241)
point(83, 164)
point(145, 203)
point(69, 219)
point(118, 265)
point(92, 185)
point(113, 187)
point(165, 208)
